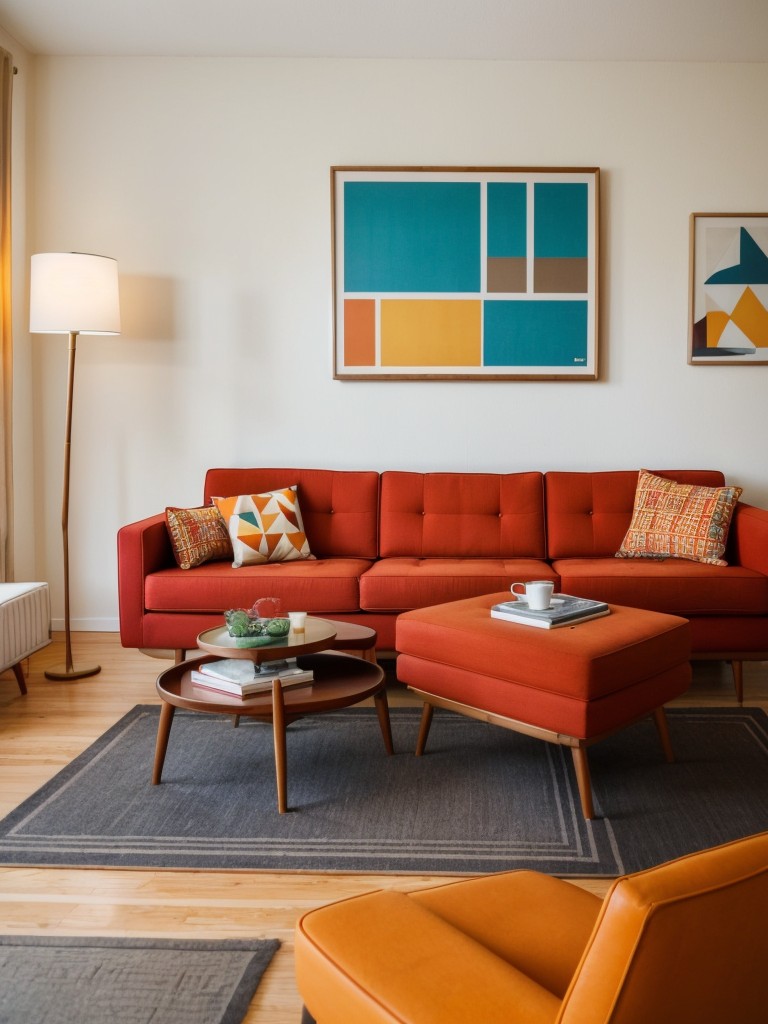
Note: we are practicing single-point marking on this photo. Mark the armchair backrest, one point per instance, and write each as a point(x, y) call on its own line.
point(684, 943)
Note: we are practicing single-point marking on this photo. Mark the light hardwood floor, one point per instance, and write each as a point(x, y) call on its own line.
point(43, 731)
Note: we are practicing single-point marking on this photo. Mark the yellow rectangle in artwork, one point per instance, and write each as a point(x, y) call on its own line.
point(431, 332)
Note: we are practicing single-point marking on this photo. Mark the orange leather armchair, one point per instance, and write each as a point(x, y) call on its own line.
point(683, 943)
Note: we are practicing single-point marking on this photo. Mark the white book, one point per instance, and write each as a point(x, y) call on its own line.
point(234, 670)
point(256, 685)
point(565, 610)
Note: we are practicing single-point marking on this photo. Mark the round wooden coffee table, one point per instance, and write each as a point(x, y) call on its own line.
point(339, 682)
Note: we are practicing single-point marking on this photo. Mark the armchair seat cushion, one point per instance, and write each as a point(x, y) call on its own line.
point(401, 583)
point(360, 940)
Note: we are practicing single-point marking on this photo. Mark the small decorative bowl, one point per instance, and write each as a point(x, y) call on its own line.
point(243, 625)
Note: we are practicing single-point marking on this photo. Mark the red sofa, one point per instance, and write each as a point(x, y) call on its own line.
point(386, 543)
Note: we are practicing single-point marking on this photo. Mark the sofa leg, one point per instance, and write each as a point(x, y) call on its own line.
point(306, 1016)
point(178, 655)
point(737, 668)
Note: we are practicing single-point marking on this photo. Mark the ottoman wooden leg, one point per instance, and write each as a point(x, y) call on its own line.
point(581, 764)
point(660, 719)
point(426, 721)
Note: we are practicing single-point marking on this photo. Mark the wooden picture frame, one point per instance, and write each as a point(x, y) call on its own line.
point(465, 273)
point(728, 304)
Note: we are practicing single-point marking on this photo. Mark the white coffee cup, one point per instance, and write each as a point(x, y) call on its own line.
point(298, 621)
point(537, 594)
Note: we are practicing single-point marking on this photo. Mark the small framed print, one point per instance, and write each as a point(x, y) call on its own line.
point(729, 289)
point(465, 273)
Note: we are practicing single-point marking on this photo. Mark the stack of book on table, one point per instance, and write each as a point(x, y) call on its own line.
point(563, 611)
point(240, 678)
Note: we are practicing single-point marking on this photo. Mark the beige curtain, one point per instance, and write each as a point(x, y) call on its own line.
point(6, 337)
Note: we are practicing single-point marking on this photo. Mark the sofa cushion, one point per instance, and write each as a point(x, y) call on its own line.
point(588, 514)
point(468, 515)
point(397, 584)
point(674, 520)
point(197, 535)
point(265, 527)
point(675, 585)
point(321, 586)
point(340, 508)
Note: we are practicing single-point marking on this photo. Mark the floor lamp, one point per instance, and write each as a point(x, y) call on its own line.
point(72, 293)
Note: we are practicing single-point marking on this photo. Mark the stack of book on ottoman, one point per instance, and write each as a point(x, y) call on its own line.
point(242, 678)
point(564, 610)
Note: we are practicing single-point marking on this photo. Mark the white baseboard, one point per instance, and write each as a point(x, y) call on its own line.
point(88, 625)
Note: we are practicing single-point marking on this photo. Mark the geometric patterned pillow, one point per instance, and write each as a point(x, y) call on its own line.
point(265, 527)
point(197, 535)
point(672, 520)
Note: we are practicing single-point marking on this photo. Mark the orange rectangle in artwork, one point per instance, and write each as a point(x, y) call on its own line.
point(359, 332)
point(431, 332)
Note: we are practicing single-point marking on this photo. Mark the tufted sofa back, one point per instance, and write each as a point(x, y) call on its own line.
point(339, 507)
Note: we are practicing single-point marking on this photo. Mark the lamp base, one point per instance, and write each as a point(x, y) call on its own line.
point(62, 672)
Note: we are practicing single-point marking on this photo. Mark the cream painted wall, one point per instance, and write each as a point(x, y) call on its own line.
point(208, 179)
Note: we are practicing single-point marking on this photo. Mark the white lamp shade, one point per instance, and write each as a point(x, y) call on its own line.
point(74, 291)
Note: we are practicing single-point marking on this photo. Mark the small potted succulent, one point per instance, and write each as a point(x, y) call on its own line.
point(258, 625)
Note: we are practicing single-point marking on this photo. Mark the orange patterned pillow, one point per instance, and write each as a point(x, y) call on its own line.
point(672, 520)
point(265, 527)
point(197, 535)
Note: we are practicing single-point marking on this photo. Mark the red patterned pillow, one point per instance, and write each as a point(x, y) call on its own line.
point(672, 520)
point(198, 535)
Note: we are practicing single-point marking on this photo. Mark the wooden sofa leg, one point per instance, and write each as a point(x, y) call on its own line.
point(738, 679)
point(178, 655)
point(18, 671)
point(581, 764)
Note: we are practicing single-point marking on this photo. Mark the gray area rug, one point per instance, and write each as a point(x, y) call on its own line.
point(481, 799)
point(47, 980)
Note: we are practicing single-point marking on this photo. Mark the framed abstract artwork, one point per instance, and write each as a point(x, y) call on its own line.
point(729, 289)
point(465, 273)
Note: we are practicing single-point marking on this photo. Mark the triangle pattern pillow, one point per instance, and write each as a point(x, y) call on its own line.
point(265, 527)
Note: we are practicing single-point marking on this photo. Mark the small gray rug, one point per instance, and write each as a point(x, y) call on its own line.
point(47, 980)
point(481, 799)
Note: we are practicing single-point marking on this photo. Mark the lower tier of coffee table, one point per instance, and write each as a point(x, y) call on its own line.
point(339, 682)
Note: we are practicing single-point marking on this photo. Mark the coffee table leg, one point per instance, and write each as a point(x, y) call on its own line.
point(161, 745)
point(278, 729)
point(382, 710)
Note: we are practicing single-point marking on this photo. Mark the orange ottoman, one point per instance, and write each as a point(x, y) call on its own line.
point(572, 685)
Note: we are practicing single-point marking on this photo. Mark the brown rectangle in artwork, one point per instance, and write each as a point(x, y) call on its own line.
point(560, 274)
point(506, 274)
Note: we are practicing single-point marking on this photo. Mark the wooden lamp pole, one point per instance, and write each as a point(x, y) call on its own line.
point(72, 288)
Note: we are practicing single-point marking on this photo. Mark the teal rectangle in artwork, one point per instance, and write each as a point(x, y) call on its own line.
point(535, 333)
point(560, 220)
point(411, 237)
point(506, 217)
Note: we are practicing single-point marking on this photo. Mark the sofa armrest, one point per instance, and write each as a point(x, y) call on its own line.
point(142, 548)
point(748, 541)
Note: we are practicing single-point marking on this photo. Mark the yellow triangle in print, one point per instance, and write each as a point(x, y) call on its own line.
point(268, 520)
